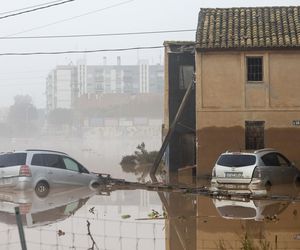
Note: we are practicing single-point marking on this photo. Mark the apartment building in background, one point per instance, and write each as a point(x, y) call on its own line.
point(66, 83)
point(60, 85)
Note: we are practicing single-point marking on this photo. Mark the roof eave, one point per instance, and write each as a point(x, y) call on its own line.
point(200, 49)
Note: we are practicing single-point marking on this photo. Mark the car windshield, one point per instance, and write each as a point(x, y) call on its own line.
point(236, 160)
point(12, 159)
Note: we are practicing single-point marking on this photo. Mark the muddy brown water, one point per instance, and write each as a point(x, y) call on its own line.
point(136, 219)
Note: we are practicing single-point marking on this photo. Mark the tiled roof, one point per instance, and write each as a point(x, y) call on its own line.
point(249, 28)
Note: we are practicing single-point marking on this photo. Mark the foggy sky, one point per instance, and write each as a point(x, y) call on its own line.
point(27, 74)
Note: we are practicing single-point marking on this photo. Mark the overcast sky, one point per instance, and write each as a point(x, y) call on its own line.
point(27, 74)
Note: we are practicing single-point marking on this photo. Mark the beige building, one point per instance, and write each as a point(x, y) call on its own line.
point(247, 65)
point(247, 82)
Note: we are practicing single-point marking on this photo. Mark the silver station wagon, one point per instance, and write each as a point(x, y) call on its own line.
point(42, 169)
point(253, 171)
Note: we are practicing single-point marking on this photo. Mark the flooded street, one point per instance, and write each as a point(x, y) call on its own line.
point(135, 220)
point(120, 131)
point(84, 218)
point(118, 220)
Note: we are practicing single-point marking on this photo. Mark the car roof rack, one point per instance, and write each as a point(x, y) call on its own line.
point(46, 150)
point(264, 149)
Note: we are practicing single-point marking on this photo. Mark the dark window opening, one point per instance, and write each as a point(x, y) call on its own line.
point(254, 135)
point(186, 73)
point(254, 69)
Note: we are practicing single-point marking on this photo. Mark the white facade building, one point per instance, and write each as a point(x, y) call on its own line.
point(63, 87)
point(144, 76)
point(66, 83)
point(59, 86)
point(81, 77)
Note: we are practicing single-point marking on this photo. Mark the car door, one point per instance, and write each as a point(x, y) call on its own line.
point(278, 168)
point(76, 173)
point(271, 171)
point(51, 168)
point(286, 168)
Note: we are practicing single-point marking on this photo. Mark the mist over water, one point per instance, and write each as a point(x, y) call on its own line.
point(99, 150)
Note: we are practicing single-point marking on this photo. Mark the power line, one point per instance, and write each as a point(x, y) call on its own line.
point(35, 9)
point(78, 51)
point(29, 7)
point(71, 18)
point(98, 35)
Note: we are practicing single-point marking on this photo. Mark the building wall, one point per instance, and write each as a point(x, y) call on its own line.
point(144, 76)
point(80, 82)
point(50, 91)
point(63, 88)
point(225, 100)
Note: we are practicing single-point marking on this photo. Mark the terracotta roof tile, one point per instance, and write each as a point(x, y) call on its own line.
point(247, 28)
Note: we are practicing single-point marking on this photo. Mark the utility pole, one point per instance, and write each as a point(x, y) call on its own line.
point(20, 228)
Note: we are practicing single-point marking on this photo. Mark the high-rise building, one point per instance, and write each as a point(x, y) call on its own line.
point(60, 86)
point(144, 76)
point(66, 83)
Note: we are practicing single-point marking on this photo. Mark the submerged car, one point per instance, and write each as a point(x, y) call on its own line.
point(42, 169)
point(253, 171)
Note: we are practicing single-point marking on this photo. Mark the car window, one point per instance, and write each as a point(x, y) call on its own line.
point(83, 169)
point(270, 159)
point(284, 162)
point(236, 160)
point(70, 164)
point(12, 159)
point(47, 160)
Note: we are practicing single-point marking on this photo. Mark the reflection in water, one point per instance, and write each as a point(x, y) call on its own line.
point(63, 219)
point(60, 220)
point(250, 209)
point(237, 222)
point(36, 211)
point(274, 224)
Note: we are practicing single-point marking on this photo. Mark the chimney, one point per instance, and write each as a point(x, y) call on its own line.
point(104, 60)
point(118, 60)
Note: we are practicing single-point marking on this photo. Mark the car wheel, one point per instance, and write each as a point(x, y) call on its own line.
point(94, 185)
point(268, 185)
point(42, 189)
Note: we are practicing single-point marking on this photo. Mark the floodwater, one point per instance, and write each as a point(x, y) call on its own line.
point(60, 220)
point(79, 218)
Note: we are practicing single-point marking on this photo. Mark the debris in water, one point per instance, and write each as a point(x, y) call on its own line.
point(92, 210)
